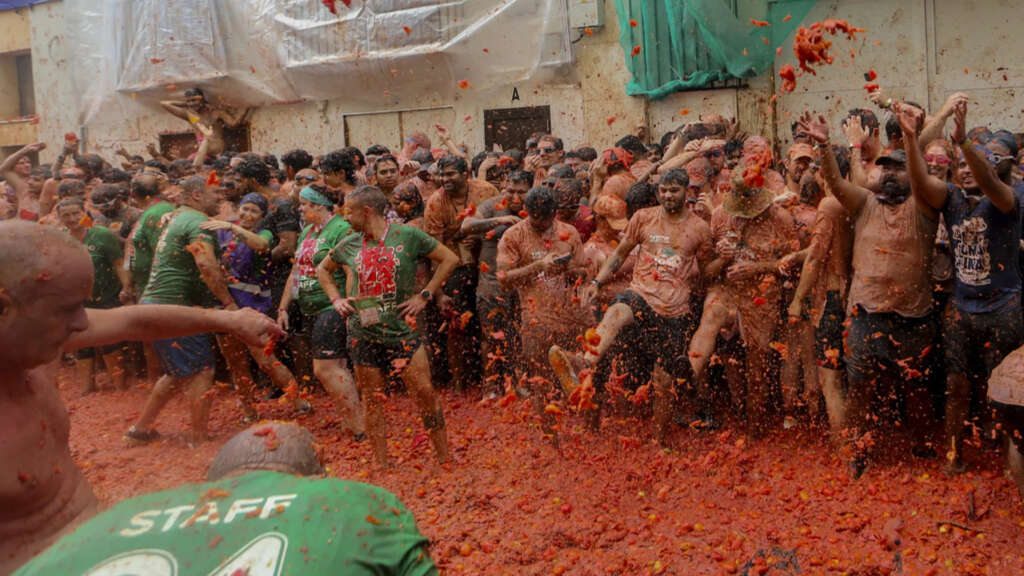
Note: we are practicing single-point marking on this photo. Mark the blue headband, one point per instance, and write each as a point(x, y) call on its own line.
point(257, 199)
point(315, 197)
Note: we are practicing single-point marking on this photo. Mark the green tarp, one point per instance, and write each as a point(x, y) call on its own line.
point(690, 44)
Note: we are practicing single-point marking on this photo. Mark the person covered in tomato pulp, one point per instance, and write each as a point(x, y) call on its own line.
point(264, 511)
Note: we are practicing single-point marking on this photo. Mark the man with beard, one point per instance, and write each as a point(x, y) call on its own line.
point(655, 316)
point(542, 258)
point(114, 213)
point(197, 111)
point(295, 161)
point(445, 210)
point(45, 279)
point(982, 218)
point(498, 308)
point(890, 300)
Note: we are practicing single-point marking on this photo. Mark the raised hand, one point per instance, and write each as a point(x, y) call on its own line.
point(854, 130)
point(909, 117)
point(815, 128)
point(959, 122)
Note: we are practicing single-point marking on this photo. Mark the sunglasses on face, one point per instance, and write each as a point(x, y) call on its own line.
point(937, 159)
point(548, 150)
point(306, 178)
point(997, 158)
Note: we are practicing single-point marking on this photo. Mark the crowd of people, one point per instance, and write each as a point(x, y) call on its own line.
point(848, 284)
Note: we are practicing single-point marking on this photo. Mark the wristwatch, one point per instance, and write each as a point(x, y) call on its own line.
point(425, 294)
point(595, 282)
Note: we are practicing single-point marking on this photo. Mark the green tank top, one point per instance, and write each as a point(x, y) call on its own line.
point(258, 524)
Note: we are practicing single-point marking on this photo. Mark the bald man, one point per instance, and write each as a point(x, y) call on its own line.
point(45, 279)
point(262, 511)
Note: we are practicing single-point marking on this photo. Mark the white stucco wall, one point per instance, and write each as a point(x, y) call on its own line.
point(923, 48)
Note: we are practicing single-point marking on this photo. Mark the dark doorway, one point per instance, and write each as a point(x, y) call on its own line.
point(510, 127)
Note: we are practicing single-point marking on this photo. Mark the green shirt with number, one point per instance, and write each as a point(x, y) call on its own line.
point(175, 277)
point(105, 251)
point(257, 524)
point(384, 278)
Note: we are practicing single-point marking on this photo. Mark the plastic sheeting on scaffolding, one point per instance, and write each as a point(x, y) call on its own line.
point(132, 53)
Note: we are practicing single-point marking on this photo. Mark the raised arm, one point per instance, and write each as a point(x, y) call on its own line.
point(7, 170)
point(998, 192)
point(934, 128)
point(157, 322)
point(927, 189)
point(856, 135)
point(449, 144)
point(851, 196)
point(250, 239)
point(176, 108)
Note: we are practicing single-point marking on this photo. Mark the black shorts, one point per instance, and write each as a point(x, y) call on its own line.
point(461, 288)
point(1012, 419)
point(889, 344)
point(656, 339)
point(94, 351)
point(975, 344)
point(828, 334)
point(381, 355)
point(327, 332)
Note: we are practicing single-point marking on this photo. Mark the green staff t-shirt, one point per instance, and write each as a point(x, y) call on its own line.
point(104, 250)
point(258, 524)
point(385, 277)
point(313, 248)
point(175, 278)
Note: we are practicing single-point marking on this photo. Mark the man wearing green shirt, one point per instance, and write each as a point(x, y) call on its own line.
point(262, 512)
point(109, 276)
point(380, 262)
point(324, 327)
point(145, 190)
point(186, 271)
point(146, 194)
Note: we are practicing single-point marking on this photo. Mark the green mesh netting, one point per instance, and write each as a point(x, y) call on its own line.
point(689, 44)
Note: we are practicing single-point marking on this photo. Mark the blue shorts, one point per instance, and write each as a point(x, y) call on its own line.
point(186, 356)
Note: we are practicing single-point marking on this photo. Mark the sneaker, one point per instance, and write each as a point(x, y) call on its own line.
point(562, 363)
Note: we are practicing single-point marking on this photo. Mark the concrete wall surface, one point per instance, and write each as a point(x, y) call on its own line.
point(922, 50)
